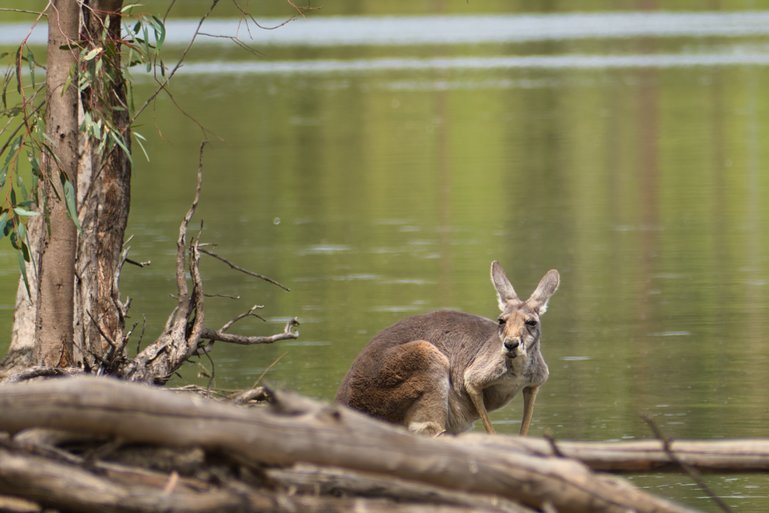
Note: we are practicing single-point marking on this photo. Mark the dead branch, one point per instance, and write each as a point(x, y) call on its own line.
point(185, 333)
point(243, 270)
point(247, 313)
point(310, 479)
point(68, 487)
point(299, 430)
point(138, 263)
point(289, 332)
point(114, 488)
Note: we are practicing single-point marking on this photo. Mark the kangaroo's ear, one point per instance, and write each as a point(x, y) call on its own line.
point(505, 290)
point(546, 288)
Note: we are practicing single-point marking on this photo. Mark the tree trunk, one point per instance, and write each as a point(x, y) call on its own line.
point(54, 317)
point(103, 198)
point(104, 182)
point(21, 353)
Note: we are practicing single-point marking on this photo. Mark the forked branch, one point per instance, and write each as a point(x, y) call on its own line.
point(289, 332)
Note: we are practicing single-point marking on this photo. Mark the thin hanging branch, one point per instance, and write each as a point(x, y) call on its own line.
point(243, 270)
point(162, 86)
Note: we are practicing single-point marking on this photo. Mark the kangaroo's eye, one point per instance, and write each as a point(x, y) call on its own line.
point(531, 323)
point(501, 321)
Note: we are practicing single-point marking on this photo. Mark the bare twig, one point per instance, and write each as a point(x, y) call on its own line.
point(691, 471)
point(22, 11)
point(225, 296)
point(138, 263)
point(168, 11)
point(236, 41)
point(553, 445)
point(249, 16)
point(141, 334)
point(289, 332)
point(244, 271)
point(206, 348)
point(101, 331)
point(248, 313)
point(268, 369)
point(212, 374)
point(162, 86)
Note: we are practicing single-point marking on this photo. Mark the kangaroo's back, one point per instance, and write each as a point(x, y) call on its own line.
point(457, 335)
point(450, 331)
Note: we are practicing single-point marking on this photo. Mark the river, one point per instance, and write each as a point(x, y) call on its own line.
point(376, 165)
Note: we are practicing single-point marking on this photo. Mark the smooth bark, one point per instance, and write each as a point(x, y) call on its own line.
point(54, 313)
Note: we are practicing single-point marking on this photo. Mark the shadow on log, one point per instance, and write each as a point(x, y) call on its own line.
point(293, 431)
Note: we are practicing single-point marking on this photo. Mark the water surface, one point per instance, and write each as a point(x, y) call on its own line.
point(377, 176)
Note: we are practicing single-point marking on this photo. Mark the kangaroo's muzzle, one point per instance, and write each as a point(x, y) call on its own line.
point(512, 347)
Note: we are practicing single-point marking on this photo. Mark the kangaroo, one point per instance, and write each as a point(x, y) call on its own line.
point(439, 372)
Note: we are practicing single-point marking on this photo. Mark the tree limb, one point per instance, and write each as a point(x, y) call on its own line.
point(219, 335)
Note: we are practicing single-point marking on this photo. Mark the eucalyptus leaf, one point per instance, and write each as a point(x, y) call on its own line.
point(92, 53)
point(13, 150)
point(140, 141)
point(117, 139)
point(23, 269)
point(23, 212)
point(3, 222)
point(160, 30)
point(69, 197)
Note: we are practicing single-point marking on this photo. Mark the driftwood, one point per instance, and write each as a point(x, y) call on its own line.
point(746, 455)
point(292, 431)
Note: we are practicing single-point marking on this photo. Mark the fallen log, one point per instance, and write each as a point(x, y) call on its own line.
point(311, 479)
point(119, 490)
point(298, 430)
point(723, 456)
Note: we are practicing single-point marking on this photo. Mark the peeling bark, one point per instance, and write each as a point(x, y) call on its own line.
point(105, 193)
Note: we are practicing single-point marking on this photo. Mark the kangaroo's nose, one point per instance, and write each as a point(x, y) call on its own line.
point(511, 345)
